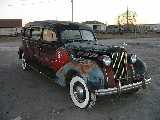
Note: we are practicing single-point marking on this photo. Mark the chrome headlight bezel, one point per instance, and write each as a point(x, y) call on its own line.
point(106, 60)
point(133, 58)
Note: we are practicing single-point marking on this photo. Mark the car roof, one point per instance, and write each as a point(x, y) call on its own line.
point(58, 24)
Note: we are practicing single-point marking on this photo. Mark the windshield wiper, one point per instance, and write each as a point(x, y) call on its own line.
point(77, 40)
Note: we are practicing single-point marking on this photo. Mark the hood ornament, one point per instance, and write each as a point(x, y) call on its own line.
point(124, 44)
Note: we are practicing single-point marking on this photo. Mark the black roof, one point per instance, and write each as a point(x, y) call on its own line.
point(93, 22)
point(58, 24)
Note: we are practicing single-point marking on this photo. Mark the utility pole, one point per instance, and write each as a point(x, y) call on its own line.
point(127, 19)
point(72, 9)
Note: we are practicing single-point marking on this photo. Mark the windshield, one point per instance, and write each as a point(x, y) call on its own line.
point(77, 35)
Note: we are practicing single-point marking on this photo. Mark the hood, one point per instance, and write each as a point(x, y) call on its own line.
point(93, 46)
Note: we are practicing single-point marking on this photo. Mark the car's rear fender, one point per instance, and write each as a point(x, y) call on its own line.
point(20, 51)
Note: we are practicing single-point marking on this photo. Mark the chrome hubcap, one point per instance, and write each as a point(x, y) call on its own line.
point(79, 93)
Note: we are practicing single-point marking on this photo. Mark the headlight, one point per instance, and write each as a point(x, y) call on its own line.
point(72, 56)
point(106, 60)
point(133, 58)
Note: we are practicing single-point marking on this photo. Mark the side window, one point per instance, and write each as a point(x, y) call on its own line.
point(36, 33)
point(49, 35)
point(27, 32)
point(70, 34)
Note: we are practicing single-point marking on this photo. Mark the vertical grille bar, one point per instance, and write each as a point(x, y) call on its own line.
point(119, 64)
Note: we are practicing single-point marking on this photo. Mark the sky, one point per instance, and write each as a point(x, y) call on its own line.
point(105, 11)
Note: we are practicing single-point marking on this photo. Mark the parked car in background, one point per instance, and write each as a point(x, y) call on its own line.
point(69, 54)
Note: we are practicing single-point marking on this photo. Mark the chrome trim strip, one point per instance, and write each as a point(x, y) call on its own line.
point(119, 64)
point(121, 72)
point(113, 55)
point(125, 65)
point(115, 59)
point(122, 88)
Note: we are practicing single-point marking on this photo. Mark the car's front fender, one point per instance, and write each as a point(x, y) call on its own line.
point(140, 67)
point(87, 69)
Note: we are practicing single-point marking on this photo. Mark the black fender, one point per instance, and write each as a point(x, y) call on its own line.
point(20, 51)
point(87, 69)
point(140, 67)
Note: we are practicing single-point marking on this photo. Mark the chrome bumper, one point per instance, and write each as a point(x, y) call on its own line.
point(123, 88)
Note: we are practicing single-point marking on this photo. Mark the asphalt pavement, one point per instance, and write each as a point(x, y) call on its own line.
point(27, 95)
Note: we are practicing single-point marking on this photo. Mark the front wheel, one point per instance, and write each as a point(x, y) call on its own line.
point(80, 94)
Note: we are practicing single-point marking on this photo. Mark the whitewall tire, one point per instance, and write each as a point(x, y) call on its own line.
point(23, 62)
point(80, 94)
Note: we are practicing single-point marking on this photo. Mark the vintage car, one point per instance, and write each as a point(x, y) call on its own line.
point(69, 54)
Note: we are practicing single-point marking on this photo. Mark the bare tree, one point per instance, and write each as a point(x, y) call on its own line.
point(127, 20)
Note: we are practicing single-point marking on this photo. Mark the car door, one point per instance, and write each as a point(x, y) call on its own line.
point(27, 43)
point(47, 47)
point(36, 33)
point(52, 54)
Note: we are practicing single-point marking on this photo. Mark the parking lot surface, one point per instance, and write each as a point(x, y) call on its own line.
point(27, 95)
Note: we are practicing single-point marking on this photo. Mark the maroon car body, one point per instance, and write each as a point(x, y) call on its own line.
point(70, 54)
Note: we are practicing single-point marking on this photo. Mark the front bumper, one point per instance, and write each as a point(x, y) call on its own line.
point(123, 88)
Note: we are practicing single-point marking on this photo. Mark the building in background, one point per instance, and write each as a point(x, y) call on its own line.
point(148, 28)
point(10, 26)
point(139, 28)
point(96, 26)
point(112, 29)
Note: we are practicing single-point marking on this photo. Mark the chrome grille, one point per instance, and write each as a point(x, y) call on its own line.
point(119, 65)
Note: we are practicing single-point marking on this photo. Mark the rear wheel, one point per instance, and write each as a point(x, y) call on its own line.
point(24, 64)
point(80, 94)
